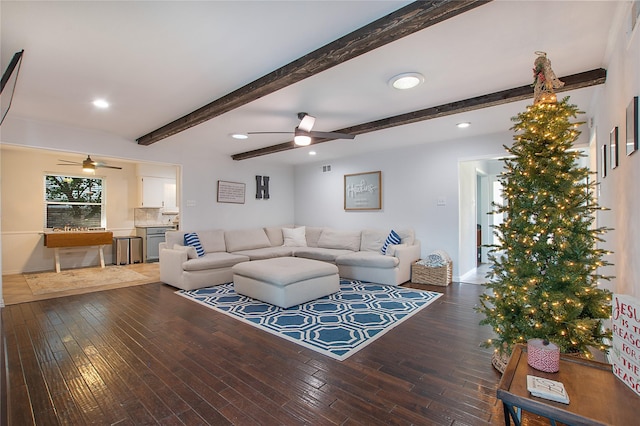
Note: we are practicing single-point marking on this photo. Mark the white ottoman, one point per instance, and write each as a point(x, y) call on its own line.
point(285, 281)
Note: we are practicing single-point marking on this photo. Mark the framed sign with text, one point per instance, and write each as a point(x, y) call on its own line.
point(231, 192)
point(363, 191)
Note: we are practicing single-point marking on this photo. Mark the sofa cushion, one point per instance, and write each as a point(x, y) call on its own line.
point(191, 251)
point(213, 261)
point(369, 259)
point(318, 253)
point(213, 240)
point(393, 238)
point(246, 239)
point(312, 234)
point(266, 252)
point(284, 271)
point(294, 237)
point(274, 233)
point(372, 240)
point(192, 239)
point(342, 240)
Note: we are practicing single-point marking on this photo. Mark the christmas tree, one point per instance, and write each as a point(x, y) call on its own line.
point(544, 280)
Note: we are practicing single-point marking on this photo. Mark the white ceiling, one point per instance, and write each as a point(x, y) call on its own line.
point(156, 61)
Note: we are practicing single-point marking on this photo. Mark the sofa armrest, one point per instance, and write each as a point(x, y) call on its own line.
point(171, 265)
point(407, 255)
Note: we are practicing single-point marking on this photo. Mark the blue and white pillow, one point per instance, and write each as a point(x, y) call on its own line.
point(393, 238)
point(191, 239)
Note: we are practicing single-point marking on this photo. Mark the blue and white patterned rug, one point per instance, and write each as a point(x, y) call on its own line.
point(338, 325)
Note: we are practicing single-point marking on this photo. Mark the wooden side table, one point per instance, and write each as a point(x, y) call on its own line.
point(58, 240)
point(596, 396)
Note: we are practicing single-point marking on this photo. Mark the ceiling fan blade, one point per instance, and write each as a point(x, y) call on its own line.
point(269, 133)
point(70, 162)
point(108, 167)
point(331, 135)
point(306, 122)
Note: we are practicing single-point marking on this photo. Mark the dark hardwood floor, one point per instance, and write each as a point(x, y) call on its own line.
point(143, 355)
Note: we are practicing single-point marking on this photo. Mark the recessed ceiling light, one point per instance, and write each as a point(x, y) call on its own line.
point(463, 125)
point(312, 153)
point(407, 80)
point(101, 103)
point(239, 136)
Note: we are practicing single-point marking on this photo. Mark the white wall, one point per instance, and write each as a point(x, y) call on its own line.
point(23, 208)
point(22, 218)
point(413, 180)
point(201, 170)
point(620, 190)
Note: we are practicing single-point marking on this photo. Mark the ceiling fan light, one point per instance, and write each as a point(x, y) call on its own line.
point(407, 80)
point(88, 166)
point(302, 140)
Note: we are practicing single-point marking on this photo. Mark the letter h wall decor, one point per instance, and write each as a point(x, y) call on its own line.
point(262, 187)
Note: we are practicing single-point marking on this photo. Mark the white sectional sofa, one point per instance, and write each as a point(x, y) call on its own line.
point(357, 254)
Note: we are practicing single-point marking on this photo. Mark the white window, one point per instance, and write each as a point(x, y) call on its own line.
point(74, 202)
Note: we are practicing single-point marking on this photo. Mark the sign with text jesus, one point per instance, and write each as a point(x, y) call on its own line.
point(625, 319)
point(363, 191)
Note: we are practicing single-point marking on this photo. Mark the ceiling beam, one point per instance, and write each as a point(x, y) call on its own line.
point(571, 82)
point(403, 22)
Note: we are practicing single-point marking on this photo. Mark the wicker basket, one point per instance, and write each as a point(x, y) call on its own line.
point(441, 275)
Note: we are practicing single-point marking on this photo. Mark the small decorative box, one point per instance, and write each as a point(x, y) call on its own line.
point(543, 355)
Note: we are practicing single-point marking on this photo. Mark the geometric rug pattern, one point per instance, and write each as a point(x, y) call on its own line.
point(337, 325)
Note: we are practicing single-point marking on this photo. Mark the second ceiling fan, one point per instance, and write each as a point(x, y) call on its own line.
point(88, 165)
point(303, 133)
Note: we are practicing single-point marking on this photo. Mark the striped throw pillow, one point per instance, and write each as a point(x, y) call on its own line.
point(393, 238)
point(191, 239)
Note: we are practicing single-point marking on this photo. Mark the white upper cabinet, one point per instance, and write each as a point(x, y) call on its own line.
point(158, 192)
point(157, 187)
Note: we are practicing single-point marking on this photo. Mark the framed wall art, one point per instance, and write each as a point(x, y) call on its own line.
point(363, 191)
point(603, 161)
point(613, 145)
point(632, 126)
point(231, 192)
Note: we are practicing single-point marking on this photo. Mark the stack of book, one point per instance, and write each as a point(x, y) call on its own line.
point(547, 389)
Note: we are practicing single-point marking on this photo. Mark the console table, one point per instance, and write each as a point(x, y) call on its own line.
point(58, 240)
point(596, 396)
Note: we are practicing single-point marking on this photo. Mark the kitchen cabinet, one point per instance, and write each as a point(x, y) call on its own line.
point(152, 236)
point(158, 192)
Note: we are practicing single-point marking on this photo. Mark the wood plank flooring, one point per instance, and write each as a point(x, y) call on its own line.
point(143, 355)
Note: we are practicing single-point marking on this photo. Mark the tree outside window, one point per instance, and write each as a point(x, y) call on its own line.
point(73, 202)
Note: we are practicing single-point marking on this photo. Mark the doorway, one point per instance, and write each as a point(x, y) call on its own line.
point(477, 179)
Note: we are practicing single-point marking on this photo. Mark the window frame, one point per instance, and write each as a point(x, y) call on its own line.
point(102, 204)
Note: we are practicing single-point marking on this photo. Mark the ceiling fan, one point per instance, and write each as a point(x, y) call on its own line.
point(88, 165)
point(302, 134)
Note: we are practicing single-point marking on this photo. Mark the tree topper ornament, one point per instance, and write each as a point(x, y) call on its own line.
point(544, 80)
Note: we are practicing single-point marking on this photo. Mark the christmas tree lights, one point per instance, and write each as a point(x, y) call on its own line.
point(544, 280)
